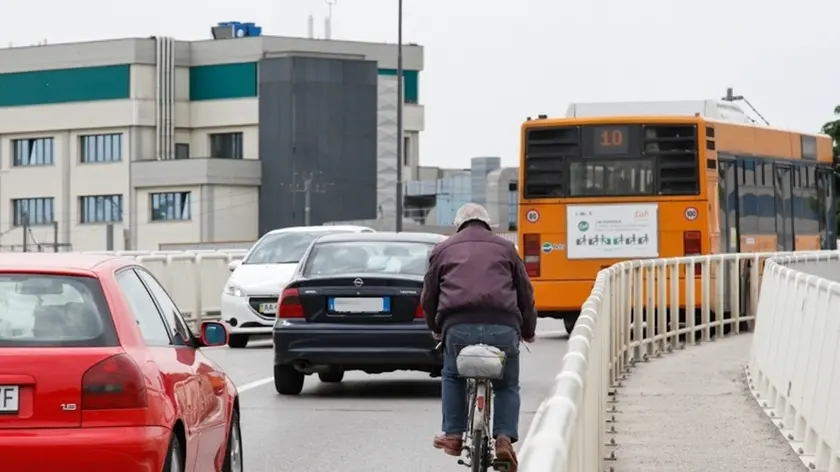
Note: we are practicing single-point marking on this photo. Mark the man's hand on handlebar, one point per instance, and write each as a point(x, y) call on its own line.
point(529, 340)
point(437, 336)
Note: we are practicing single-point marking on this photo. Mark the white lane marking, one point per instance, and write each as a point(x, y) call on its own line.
point(255, 384)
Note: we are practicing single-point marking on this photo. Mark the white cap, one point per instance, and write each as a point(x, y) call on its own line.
point(471, 212)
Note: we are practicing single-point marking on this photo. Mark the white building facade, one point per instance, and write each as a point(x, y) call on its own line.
point(156, 139)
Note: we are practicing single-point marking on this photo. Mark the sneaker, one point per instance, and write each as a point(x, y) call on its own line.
point(450, 444)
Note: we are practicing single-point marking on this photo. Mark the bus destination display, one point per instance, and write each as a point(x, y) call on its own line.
point(610, 140)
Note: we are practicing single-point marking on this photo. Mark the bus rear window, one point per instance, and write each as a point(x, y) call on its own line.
point(624, 177)
point(39, 310)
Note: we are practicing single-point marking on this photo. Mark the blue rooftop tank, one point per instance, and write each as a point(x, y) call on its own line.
point(235, 29)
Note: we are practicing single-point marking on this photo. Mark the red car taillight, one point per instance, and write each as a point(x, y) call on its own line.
point(533, 253)
point(116, 383)
point(418, 313)
point(692, 246)
point(289, 305)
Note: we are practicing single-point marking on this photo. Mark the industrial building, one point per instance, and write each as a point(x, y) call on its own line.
point(138, 143)
point(437, 194)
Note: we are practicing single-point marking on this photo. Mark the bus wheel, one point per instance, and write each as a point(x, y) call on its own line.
point(569, 321)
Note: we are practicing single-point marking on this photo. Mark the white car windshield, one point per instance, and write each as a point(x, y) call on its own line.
point(45, 310)
point(379, 257)
point(284, 248)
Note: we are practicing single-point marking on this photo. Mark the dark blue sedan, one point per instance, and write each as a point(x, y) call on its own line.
point(354, 304)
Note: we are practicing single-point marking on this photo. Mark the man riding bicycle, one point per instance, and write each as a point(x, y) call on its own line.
point(477, 290)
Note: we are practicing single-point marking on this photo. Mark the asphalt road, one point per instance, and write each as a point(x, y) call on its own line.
point(368, 423)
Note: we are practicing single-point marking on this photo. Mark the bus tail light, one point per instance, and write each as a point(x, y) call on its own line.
point(532, 252)
point(692, 246)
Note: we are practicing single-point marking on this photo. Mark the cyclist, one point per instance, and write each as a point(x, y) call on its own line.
point(476, 290)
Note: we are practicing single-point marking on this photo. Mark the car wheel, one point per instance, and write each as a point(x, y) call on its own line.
point(238, 341)
point(332, 376)
point(174, 457)
point(287, 380)
point(233, 453)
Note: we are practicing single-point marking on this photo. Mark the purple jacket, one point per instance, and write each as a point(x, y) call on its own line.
point(477, 277)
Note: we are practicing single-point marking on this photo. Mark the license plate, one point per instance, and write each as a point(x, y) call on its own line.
point(268, 308)
point(9, 398)
point(360, 305)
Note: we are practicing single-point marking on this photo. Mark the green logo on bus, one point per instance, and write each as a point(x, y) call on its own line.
point(583, 226)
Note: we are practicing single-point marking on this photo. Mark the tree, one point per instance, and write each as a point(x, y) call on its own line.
point(832, 128)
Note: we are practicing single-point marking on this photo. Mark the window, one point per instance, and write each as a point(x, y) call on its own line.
point(100, 208)
point(152, 327)
point(598, 178)
point(170, 311)
point(32, 152)
point(368, 257)
point(226, 146)
point(406, 151)
point(54, 311)
point(182, 151)
point(283, 248)
point(33, 211)
point(170, 206)
point(513, 206)
point(101, 148)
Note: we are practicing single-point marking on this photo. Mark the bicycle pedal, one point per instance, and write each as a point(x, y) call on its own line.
point(501, 466)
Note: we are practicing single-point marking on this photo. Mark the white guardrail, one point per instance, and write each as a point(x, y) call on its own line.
point(194, 279)
point(795, 366)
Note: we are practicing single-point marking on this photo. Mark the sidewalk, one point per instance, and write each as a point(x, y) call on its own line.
point(691, 411)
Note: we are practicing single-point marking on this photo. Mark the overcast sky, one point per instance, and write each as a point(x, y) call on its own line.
point(491, 63)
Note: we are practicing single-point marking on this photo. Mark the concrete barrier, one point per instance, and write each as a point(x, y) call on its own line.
point(628, 318)
point(194, 279)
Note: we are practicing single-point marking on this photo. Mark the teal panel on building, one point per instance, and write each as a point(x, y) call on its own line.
point(81, 84)
point(410, 83)
point(221, 81)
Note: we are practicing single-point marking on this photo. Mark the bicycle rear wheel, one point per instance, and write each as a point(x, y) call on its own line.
point(480, 458)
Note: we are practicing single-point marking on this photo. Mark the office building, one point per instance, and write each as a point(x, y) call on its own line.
point(167, 141)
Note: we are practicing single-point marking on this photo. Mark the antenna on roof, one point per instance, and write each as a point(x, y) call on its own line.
point(740, 98)
point(311, 26)
point(328, 19)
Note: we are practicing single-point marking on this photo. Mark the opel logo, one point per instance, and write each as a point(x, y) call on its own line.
point(358, 282)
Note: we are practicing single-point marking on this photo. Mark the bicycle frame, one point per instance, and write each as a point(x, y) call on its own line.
point(477, 440)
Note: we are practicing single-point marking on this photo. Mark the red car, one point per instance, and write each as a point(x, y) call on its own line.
point(100, 372)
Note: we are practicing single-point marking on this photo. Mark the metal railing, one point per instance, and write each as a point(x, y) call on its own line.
point(794, 369)
point(637, 310)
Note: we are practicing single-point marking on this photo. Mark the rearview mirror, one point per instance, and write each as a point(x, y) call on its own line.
point(232, 265)
point(213, 333)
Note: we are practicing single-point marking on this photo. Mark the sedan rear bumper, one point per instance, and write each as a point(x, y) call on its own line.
point(123, 449)
point(354, 346)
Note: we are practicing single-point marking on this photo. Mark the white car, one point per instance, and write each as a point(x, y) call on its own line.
point(249, 299)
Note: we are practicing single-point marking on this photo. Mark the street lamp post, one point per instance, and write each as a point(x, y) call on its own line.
point(400, 141)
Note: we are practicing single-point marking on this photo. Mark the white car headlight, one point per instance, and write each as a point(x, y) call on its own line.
point(234, 290)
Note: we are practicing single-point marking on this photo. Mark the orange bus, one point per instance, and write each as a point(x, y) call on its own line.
point(598, 190)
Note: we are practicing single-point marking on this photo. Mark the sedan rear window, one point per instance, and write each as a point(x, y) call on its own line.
point(378, 257)
point(38, 310)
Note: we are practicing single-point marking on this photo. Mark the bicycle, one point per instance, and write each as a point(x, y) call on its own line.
point(480, 365)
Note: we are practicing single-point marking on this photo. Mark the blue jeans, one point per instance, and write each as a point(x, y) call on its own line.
point(506, 399)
